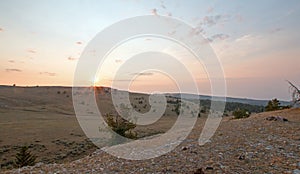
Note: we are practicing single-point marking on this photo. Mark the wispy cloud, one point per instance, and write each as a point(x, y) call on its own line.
point(11, 61)
point(196, 31)
point(78, 43)
point(210, 20)
point(1, 29)
point(162, 4)
point(118, 60)
point(248, 47)
point(31, 51)
point(163, 8)
point(48, 73)
point(214, 19)
point(72, 58)
point(13, 70)
point(246, 38)
point(123, 80)
point(276, 30)
point(143, 74)
point(219, 36)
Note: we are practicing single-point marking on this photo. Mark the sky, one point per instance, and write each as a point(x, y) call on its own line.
point(257, 42)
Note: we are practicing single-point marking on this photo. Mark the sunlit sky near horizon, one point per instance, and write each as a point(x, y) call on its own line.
point(257, 42)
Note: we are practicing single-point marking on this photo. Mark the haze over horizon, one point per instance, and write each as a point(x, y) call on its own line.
point(257, 42)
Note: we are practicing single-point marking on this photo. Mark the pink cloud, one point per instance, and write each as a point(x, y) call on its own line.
point(72, 58)
point(144, 74)
point(31, 51)
point(197, 31)
point(1, 29)
point(154, 11)
point(219, 36)
point(13, 70)
point(48, 73)
point(118, 60)
point(214, 20)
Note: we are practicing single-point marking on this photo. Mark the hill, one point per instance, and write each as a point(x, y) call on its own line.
point(252, 145)
point(43, 118)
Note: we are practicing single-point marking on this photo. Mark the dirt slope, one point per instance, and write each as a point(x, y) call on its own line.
point(252, 145)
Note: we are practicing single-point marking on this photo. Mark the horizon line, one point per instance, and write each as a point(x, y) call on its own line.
point(140, 92)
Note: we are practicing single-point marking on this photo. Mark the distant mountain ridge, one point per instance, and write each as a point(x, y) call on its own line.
point(183, 95)
point(228, 99)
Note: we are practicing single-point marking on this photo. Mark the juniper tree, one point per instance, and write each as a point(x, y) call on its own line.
point(273, 105)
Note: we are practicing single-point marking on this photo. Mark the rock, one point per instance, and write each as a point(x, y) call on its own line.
point(220, 155)
point(296, 171)
point(199, 171)
point(209, 168)
point(184, 148)
point(222, 166)
point(271, 118)
point(249, 154)
point(170, 169)
point(242, 157)
point(276, 118)
point(39, 164)
point(194, 152)
point(269, 147)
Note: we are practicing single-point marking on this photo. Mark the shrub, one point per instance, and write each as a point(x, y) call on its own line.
point(285, 107)
point(225, 114)
point(24, 158)
point(121, 126)
point(203, 109)
point(177, 109)
point(240, 113)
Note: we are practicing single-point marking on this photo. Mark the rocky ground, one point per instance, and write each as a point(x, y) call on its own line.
point(251, 145)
